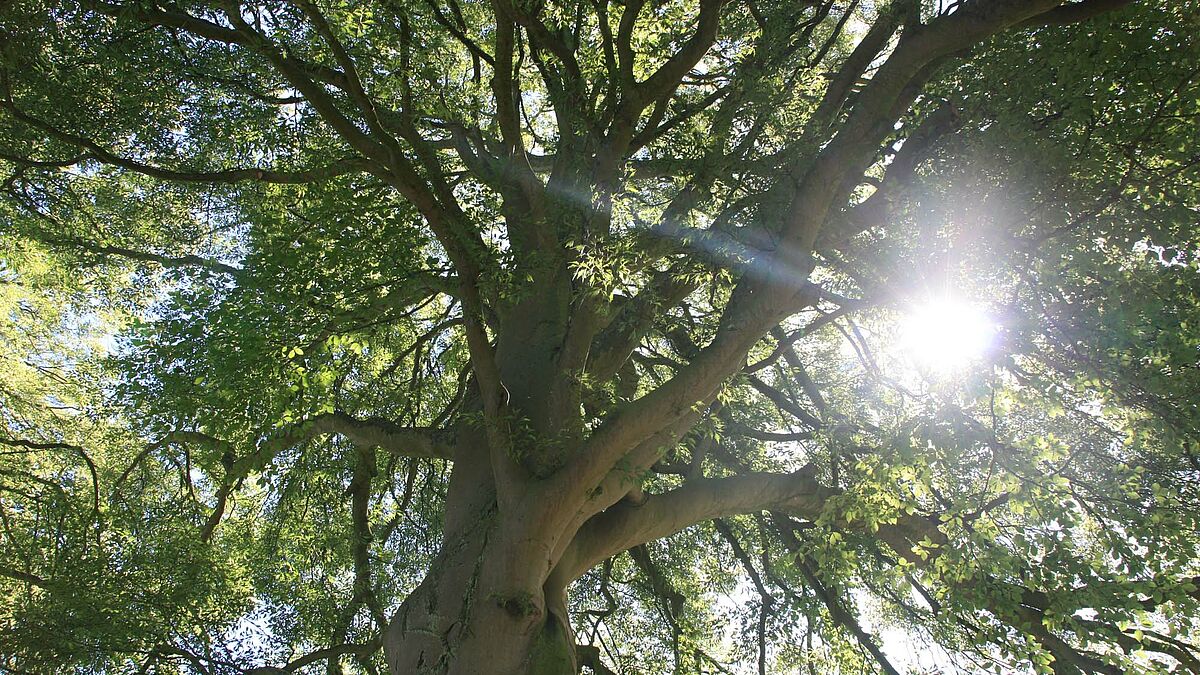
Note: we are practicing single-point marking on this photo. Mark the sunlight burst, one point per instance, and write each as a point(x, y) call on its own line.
point(944, 334)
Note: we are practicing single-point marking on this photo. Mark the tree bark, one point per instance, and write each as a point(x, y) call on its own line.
point(467, 617)
point(483, 607)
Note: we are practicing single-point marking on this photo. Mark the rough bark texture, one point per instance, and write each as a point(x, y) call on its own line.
point(474, 612)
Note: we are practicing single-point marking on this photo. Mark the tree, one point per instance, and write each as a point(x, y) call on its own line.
point(505, 337)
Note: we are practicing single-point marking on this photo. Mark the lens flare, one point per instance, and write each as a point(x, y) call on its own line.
point(945, 335)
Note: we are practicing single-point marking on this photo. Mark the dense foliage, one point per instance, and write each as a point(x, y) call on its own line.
point(538, 336)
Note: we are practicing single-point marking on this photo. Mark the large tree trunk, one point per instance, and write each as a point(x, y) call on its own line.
point(484, 606)
point(460, 621)
point(449, 626)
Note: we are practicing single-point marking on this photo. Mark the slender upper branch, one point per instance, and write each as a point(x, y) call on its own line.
point(423, 442)
point(57, 237)
point(99, 153)
point(1075, 12)
point(296, 664)
point(378, 432)
point(25, 577)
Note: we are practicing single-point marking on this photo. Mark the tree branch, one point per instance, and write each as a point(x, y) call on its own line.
point(420, 442)
point(296, 664)
point(837, 609)
point(623, 526)
point(26, 577)
point(1075, 12)
point(101, 154)
point(103, 250)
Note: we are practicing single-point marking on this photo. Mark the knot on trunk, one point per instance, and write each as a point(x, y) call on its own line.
point(518, 605)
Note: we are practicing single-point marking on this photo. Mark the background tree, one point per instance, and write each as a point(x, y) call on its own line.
point(503, 336)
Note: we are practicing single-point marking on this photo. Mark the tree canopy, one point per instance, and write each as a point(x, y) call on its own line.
point(608, 336)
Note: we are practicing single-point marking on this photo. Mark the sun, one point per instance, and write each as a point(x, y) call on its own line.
point(943, 335)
